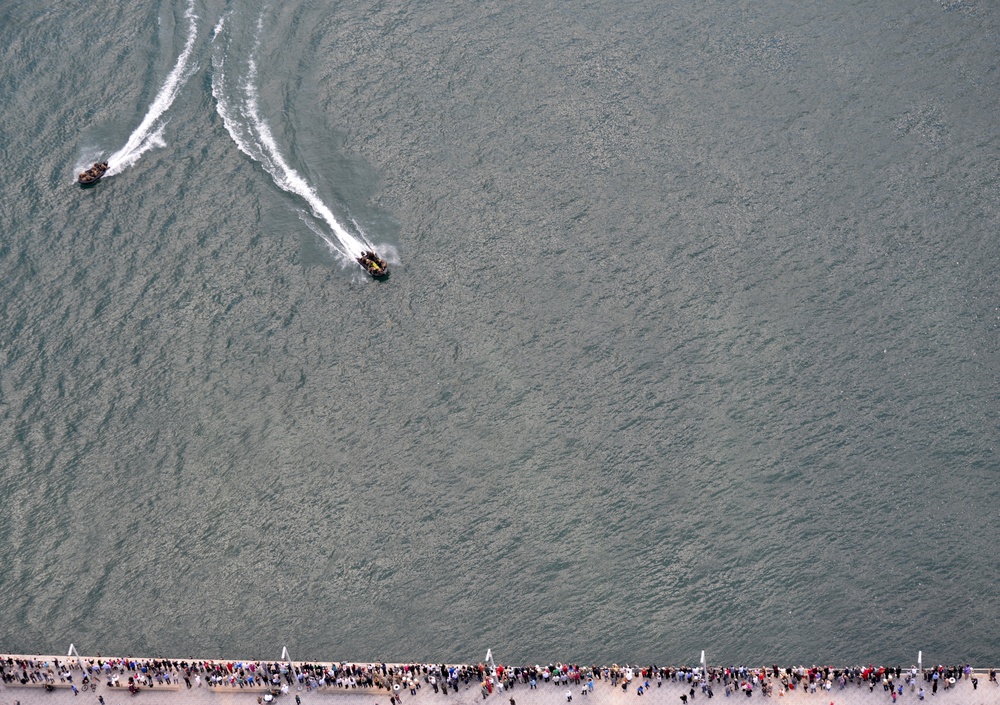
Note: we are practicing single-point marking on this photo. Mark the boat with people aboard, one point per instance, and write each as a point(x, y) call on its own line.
point(373, 264)
point(92, 175)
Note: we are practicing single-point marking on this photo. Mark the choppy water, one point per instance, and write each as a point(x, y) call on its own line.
point(691, 340)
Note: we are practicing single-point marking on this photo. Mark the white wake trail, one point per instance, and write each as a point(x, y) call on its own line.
point(149, 133)
point(255, 139)
point(288, 178)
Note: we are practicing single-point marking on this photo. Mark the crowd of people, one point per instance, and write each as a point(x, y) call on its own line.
point(278, 677)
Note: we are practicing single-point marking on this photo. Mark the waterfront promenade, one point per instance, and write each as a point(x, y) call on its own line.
point(187, 684)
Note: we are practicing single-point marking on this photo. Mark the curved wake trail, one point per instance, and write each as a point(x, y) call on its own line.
point(149, 133)
point(253, 136)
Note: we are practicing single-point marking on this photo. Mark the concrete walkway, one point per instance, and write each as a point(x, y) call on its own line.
point(604, 694)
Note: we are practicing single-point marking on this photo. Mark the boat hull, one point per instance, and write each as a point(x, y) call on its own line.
point(377, 267)
point(94, 174)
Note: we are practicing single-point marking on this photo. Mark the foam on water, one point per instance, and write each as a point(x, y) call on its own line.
point(149, 134)
point(252, 134)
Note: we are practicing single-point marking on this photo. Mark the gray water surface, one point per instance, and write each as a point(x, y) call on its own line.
point(691, 341)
